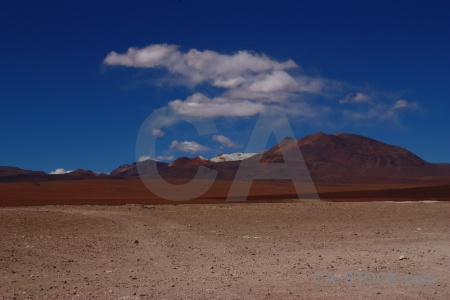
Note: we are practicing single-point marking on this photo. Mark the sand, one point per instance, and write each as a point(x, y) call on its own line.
point(223, 251)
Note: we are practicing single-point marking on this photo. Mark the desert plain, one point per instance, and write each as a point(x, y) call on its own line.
point(59, 243)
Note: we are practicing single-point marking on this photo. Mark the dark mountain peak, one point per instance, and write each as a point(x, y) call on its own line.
point(83, 173)
point(319, 137)
point(288, 138)
point(183, 161)
point(339, 157)
point(346, 154)
point(284, 142)
point(132, 170)
point(357, 137)
point(14, 171)
point(342, 138)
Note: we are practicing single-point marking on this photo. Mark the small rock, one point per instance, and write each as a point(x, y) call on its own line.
point(401, 257)
point(135, 242)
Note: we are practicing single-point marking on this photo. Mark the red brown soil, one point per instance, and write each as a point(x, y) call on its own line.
point(224, 251)
point(126, 191)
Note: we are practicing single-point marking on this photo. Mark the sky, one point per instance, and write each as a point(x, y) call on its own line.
point(79, 78)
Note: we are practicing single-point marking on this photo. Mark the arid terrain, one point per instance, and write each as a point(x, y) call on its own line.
point(223, 251)
point(124, 191)
point(84, 235)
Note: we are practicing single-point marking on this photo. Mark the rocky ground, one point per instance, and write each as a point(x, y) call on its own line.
point(224, 251)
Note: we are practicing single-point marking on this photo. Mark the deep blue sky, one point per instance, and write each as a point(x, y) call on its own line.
point(62, 107)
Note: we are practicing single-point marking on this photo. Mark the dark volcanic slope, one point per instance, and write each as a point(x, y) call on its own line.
point(11, 174)
point(354, 155)
point(132, 170)
point(186, 161)
point(332, 158)
point(83, 173)
point(353, 158)
point(13, 171)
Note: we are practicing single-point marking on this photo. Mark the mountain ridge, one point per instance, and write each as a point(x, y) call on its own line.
point(339, 157)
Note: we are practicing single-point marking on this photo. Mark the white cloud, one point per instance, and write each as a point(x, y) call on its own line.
point(247, 84)
point(224, 141)
point(188, 146)
point(373, 113)
point(356, 98)
point(274, 82)
point(222, 70)
point(229, 82)
point(143, 158)
point(250, 80)
point(165, 157)
point(157, 158)
point(60, 171)
point(381, 111)
point(401, 103)
point(157, 132)
point(151, 56)
point(395, 110)
point(198, 105)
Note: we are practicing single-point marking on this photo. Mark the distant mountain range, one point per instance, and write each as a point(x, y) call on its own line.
point(232, 157)
point(330, 158)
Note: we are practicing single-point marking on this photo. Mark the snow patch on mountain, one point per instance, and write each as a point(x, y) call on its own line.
point(232, 157)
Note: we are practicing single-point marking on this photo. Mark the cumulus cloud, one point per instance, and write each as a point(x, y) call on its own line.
point(60, 171)
point(224, 141)
point(199, 66)
point(401, 103)
point(356, 98)
point(198, 105)
point(151, 56)
point(274, 82)
point(250, 81)
point(247, 83)
point(373, 113)
point(157, 132)
point(143, 158)
point(399, 106)
point(381, 111)
point(187, 146)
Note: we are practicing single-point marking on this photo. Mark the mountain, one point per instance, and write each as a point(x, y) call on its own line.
point(231, 157)
point(83, 173)
point(344, 154)
point(13, 174)
point(132, 170)
point(186, 161)
point(345, 157)
point(13, 171)
point(329, 158)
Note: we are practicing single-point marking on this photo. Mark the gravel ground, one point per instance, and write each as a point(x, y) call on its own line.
point(226, 251)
